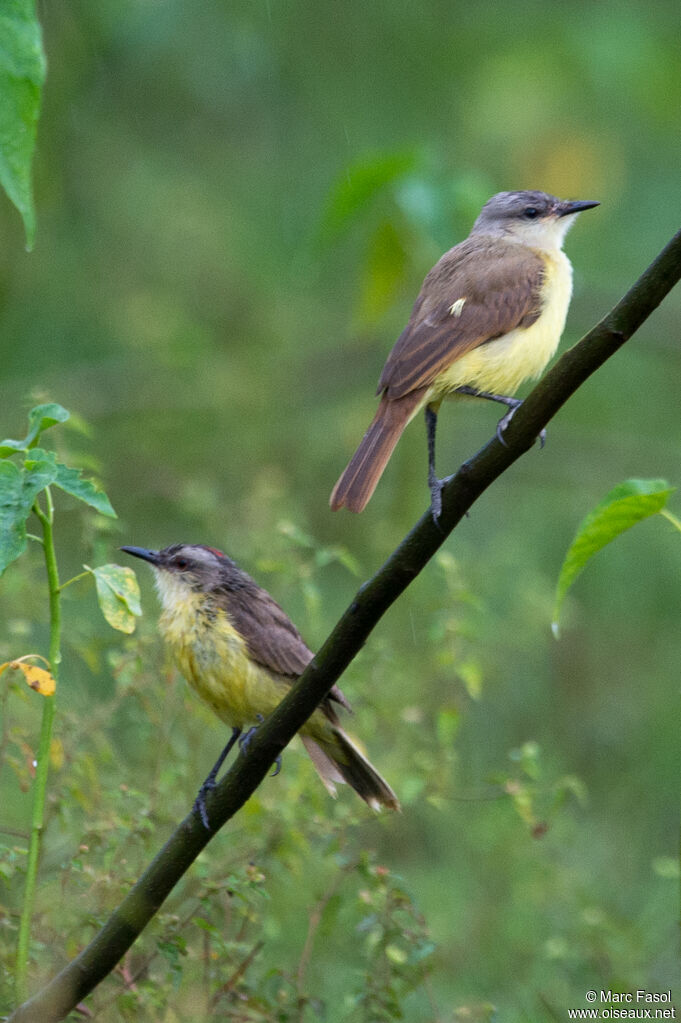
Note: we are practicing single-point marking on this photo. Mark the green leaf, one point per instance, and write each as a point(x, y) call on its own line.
point(22, 73)
point(10, 447)
point(40, 418)
point(71, 482)
point(40, 469)
point(360, 182)
point(118, 595)
point(623, 507)
point(18, 491)
point(384, 272)
point(13, 514)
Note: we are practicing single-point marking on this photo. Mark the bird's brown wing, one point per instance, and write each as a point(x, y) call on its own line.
point(271, 637)
point(478, 291)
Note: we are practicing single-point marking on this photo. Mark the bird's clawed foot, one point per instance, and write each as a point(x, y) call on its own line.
point(245, 741)
point(200, 801)
point(435, 486)
point(505, 420)
point(210, 782)
point(512, 404)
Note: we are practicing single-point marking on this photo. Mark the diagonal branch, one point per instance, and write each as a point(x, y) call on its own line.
point(371, 602)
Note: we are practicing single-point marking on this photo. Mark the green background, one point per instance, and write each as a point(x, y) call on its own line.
point(236, 205)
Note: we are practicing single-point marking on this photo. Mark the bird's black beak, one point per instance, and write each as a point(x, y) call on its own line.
point(564, 209)
point(141, 552)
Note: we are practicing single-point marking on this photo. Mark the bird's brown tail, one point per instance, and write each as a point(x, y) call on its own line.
point(339, 760)
point(358, 482)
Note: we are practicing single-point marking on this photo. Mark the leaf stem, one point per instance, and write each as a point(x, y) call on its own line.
point(69, 582)
point(671, 518)
point(46, 519)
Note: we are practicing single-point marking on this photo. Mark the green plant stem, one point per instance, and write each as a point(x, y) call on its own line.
point(46, 520)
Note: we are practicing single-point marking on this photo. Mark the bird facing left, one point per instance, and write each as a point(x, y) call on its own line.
point(241, 653)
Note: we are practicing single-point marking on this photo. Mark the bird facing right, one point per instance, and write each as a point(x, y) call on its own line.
point(489, 315)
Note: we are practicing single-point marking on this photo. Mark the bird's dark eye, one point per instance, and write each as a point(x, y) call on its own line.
point(531, 212)
point(181, 563)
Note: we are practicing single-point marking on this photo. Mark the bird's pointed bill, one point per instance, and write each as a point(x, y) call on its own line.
point(142, 552)
point(570, 206)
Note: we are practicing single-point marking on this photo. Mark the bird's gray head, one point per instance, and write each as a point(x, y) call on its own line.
point(192, 566)
point(533, 218)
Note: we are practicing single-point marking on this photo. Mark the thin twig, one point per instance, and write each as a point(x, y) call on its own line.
point(236, 976)
point(316, 914)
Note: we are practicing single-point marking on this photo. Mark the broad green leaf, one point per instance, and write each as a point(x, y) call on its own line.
point(67, 479)
point(10, 447)
point(359, 183)
point(18, 491)
point(71, 482)
point(40, 418)
point(40, 469)
point(623, 507)
point(22, 73)
point(118, 595)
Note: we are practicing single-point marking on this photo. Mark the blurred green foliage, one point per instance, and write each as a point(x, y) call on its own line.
point(237, 204)
point(22, 73)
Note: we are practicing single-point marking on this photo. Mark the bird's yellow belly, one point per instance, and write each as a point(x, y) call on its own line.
point(214, 659)
point(500, 366)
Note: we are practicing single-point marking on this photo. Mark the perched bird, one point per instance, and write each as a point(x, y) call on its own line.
point(489, 316)
point(241, 653)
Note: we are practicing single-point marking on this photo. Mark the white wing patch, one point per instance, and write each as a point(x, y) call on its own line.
point(457, 308)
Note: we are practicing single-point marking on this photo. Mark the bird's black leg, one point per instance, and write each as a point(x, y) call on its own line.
point(245, 740)
point(434, 484)
point(210, 782)
point(513, 404)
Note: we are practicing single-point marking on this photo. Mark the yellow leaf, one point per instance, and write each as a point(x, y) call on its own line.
point(118, 595)
point(37, 678)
